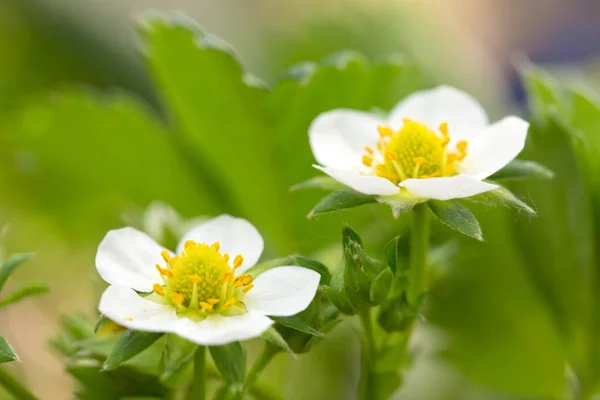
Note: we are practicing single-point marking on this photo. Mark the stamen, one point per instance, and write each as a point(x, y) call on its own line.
point(158, 289)
point(226, 257)
point(216, 246)
point(247, 288)
point(212, 301)
point(227, 276)
point(385, 131)
point(189, 243)
point(444, 129)
point(462, 146)
point(246, 279)
point(177, 298)
point(195, 279)
point(165, 255)
point(419, 161)
point(367, 160)
point(369, 150)
point(167, 272)
point(229, 303)
point(237, 261)
point(206, 306)
point(388, 155)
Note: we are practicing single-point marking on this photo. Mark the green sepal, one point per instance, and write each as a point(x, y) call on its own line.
point(380, 287)
point(7, 354)
point(457, 217)
point(400, 203)
point(10, 265)
point(319, 182)
point(272, 336)
point(521, 169)
point(340, 300)
point(23, 292)
point(341, 200)
point(130, 344)
point(176, 359)
point(230, 360)
point(360, 272)
point(297, 324)
point(393, 255)
point(314, 265)
point(502, 197)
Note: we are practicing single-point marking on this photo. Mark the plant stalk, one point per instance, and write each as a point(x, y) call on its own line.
point(261, 362)
point(419, 247)
point(369, 356)
point(14, 387)
point(198, 389)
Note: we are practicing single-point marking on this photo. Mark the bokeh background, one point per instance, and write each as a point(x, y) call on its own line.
point(89, 139)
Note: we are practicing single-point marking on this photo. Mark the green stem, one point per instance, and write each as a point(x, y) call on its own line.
point(12, 386)
point(261, 362)
point(198, 388)
point(419, 247)
point(369, 356)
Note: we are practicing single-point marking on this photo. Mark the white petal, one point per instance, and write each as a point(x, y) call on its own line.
point(338, 138)
point(236, 236)
point(454, 187)
point(494, 147)
point(127, 257)
point(217, 330)
point(464, 115)
point(366, 184)
point(283, 291)
point(127, 308)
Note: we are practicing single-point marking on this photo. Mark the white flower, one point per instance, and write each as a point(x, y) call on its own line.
point(435, 144)
point(202, 294)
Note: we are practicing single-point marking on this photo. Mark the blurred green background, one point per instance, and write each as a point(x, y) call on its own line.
point(101, 114)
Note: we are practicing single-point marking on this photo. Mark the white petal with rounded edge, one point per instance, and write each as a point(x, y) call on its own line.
point(283, 291)
point(127, 257)
point(217, 330)
point(454, 187)
point(367, 184)
point(236, 236)
point(338, 137)
point(127, 308)
point(494, 147)
point(464, 115)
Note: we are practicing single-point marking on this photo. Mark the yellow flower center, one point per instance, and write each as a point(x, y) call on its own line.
point(414, 151)
point(200, 281)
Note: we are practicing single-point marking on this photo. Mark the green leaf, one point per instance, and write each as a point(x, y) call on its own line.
point(91, 143)
point(23, 292)
point(319, 182)
point(380, 287)
point(130, 344)
point(502, 197)
point(110, 385)
point(7, 354)
point(520, 169)
point(315, 266)
point(10, 265)
point(272, 336)
point(230, 360)
point(297, 324)
point(341, 200)
point(219, 119)
point(457, 217)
